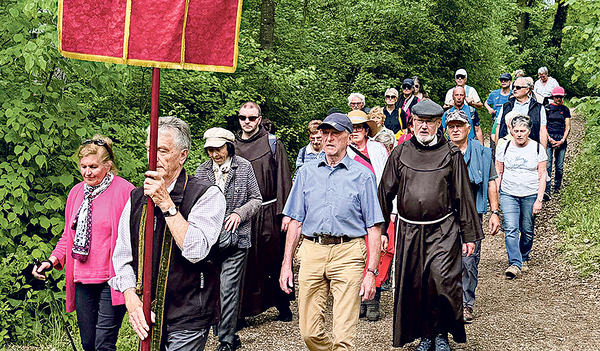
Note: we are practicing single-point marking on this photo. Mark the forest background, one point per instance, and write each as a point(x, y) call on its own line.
point(297, 59)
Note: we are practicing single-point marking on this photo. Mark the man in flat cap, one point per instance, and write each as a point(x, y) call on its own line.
point(333, 205)
point(437, 218)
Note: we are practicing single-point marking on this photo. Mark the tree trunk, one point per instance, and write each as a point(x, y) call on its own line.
point(267, 24)
point(560, 19)
point(523, 24)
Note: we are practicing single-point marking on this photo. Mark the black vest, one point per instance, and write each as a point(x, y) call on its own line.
point(192, 299)
point(534, 113)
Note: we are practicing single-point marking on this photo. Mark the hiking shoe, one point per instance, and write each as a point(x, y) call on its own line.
point(512, 272)
point(426, 344)
point(363, 311)
point(285, 314)
point(373, 312)
point(441, 343)
point(524, 267)
point(468, 314)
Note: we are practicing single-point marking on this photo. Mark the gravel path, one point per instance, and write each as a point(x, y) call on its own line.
point(548, 308)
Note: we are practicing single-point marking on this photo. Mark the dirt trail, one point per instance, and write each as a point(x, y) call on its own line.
point(548, 308)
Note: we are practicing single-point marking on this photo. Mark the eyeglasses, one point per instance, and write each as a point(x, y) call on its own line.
point(356, 103)
point(250, 118)
point(455, 126)
point(358, 127)
point(460, 76)
point(419, 122)
point(99, 143)
point(504, 80)
point(518, 87)
point(390, 96)
point(406, 87)
point(558, 97)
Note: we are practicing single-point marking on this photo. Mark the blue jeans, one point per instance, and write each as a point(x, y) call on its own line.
point(559, 160)
point(518, 217)
point(470, 275)
point(98, 320)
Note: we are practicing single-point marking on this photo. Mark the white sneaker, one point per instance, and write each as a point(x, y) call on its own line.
point(524, 267)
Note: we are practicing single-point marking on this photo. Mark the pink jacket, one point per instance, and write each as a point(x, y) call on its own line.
point(114, 198)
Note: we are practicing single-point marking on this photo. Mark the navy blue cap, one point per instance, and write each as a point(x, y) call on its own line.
point(337, 121)
point(506, 76)
point(409, 81)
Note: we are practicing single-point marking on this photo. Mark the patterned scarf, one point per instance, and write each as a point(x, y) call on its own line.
point(82, 224)
point(221, 173)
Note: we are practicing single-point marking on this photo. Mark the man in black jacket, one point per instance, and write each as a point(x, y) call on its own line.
point(188, 217)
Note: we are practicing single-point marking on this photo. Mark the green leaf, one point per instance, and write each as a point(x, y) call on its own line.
point(40, 160)
point(19, 149)
point(66, 179)
point(81, 132)
point(44, 222)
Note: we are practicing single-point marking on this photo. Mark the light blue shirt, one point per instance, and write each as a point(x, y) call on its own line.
point(340, 200)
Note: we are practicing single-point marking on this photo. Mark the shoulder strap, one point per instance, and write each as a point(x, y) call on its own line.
point(304, 153)
point(506, 148)
point(360, 154)
point(273, 143)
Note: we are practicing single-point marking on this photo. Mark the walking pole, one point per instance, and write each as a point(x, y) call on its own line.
point(149, 237)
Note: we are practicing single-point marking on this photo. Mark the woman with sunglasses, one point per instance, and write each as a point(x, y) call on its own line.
point(395, 118)
point(419, 90)
point(85, 249)
point(522, 176)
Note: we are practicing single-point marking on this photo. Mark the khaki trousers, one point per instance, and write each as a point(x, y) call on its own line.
point(336, 268)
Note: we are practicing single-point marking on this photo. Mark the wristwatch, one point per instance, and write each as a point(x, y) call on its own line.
point(495, 212)
point(172, 211)
point(374, 271)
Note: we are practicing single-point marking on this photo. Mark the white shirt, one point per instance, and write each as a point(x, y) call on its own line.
point(520, 177)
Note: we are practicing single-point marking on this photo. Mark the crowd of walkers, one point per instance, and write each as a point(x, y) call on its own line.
point(388, 197)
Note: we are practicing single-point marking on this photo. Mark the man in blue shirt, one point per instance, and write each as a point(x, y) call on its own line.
point(495, 101)
point(333, 205)
point(458, 95)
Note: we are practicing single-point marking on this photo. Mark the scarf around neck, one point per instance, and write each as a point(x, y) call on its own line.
point(221, 173)
point(82, 224)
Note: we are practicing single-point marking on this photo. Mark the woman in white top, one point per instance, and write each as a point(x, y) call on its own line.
point(522, 174)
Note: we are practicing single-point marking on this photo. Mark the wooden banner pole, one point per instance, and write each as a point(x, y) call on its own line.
point(149, 239)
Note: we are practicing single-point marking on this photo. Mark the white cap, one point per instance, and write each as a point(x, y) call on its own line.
point(461, 71)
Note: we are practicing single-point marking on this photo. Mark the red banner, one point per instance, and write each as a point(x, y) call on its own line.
point(185, 34)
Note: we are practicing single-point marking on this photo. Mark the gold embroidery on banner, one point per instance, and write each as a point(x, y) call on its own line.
point(141, 243)
point(126, 31)
point(185, 18)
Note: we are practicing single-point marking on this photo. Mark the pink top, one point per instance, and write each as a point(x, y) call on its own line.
point(106, 211)
point(404, 137)
point(364, 162)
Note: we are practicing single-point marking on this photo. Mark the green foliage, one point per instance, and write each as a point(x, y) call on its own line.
point(579, 219)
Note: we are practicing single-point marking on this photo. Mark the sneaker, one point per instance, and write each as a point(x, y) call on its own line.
point(524, 267)
point(512, 272)
point(373, 312)
point(468, 314)
point(441, 343)
point(426, 344)
point(285, 314)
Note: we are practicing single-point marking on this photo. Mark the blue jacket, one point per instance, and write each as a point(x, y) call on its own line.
point(479, 161)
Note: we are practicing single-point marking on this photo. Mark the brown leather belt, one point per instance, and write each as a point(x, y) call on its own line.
point(324, 239)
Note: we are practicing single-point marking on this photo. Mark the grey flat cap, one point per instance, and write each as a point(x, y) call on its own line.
point(427, 108)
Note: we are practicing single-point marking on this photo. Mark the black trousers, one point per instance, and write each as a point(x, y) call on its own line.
point(98, 320)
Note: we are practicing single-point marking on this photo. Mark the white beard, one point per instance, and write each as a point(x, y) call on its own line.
point(425, 140)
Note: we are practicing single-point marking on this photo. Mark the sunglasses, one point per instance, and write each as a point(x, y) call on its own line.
point(558, 97)
point(390, 96)
point(504, 80)
point(358, 127)
point(250, 118)
point(518, 87)
point(99, 143)
point(406, 87)
point(460, 76)
point(417, 86)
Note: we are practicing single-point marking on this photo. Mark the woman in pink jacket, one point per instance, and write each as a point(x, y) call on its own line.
point(85, 249)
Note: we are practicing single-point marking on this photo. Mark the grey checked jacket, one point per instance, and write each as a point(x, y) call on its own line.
point(242, 194)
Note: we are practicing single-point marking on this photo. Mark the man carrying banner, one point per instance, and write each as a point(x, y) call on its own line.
point(185, 278)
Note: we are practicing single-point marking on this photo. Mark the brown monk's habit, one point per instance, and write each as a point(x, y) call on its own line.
point(430, 182)
point(261, 284)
